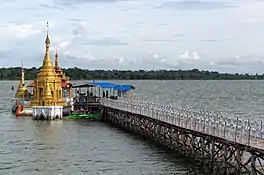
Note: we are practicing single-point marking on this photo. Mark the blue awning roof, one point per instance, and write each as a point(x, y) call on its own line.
point(102, 84)
point(118, 87)
point(83, 85)
point(124, 87)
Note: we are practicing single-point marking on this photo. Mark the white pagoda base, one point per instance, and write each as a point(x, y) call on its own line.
point(47, 112)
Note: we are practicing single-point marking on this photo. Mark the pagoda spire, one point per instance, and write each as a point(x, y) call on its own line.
point(56, 58)
point(22, 91)
point(47, 85)
point(57, 68)
point(22, 74)
point(47, 62)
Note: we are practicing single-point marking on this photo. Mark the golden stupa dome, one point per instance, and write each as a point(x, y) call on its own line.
point(22, 91)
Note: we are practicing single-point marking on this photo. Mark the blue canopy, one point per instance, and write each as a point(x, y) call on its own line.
point(83, 85)
point(124, 87)
point(118, 87)
point(102, 84)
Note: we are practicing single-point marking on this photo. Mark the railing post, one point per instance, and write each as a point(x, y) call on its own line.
point(203, 124)
point(186, 122)
point(236, 129)
point(235, 133)
point(213, 123)
point(225, 130)
point(148, 105)
point(249, 135)
point(241, 134)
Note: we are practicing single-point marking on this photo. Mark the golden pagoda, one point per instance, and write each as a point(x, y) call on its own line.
point(22, 91)
point(47, 97)
point(58, 70)
point(47, 89)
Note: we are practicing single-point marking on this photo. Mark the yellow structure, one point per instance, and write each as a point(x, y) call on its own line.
point(47, 86)
point(22, 91)
point(66, 85)
point(47, 97)
point(58, 70)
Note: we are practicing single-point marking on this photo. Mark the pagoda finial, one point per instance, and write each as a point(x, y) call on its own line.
point(22, 74)
point(47, 41)
point(47, 62)
point(56, 58)
point(47, 27)
point(22, 91)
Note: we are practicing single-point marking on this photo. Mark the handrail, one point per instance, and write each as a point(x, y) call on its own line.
point(239, 130)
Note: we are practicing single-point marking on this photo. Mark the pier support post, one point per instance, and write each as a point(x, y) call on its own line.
point(225, 159)
point(202, 149)
point(212, 154)
point(253, 164)
point(193, 145)
point(238, 160)
point(177, 140)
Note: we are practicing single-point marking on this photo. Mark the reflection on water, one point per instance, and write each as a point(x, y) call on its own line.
point(70, 147)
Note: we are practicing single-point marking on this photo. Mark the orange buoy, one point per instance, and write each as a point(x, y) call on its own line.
point(19, 109)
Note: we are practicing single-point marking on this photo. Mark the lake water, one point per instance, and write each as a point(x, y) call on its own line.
point(65, 147)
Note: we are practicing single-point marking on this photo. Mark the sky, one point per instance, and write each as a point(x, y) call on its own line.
point(215, 35)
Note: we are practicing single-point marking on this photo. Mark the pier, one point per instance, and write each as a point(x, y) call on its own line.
point(226, 145)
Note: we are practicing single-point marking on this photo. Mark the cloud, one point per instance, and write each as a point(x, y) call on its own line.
point(120, 34)
point(48, 6)
point(78, 2)
point(64, 45)
point(222, 39)
point(188, 55)
point(118, 59)
point(24, 30)
point(148, 61)
point(158, 40)
point(20, 30)
point(195, 5)
point(91, 62)
point(4, 54)
point(104, 42)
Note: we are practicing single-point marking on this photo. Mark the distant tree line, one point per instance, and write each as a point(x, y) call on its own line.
point(13, 73)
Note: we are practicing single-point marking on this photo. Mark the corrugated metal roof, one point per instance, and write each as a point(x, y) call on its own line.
point(102, 84)
point(118, 87)
point(123, 87)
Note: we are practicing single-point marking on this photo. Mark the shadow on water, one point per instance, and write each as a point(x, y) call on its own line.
point(78, 146)
point(189, 166)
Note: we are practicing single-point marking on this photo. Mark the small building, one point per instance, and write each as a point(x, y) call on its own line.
point(124, 90)
point(106, 89)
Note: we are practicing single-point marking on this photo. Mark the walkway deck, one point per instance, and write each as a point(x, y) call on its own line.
point(241, 131)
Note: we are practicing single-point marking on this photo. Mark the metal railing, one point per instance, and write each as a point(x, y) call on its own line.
point(239, 130)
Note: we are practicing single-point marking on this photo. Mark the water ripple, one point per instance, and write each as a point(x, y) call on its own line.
point(30, 147)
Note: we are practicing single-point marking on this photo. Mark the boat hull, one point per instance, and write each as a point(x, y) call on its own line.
point(29, 111)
